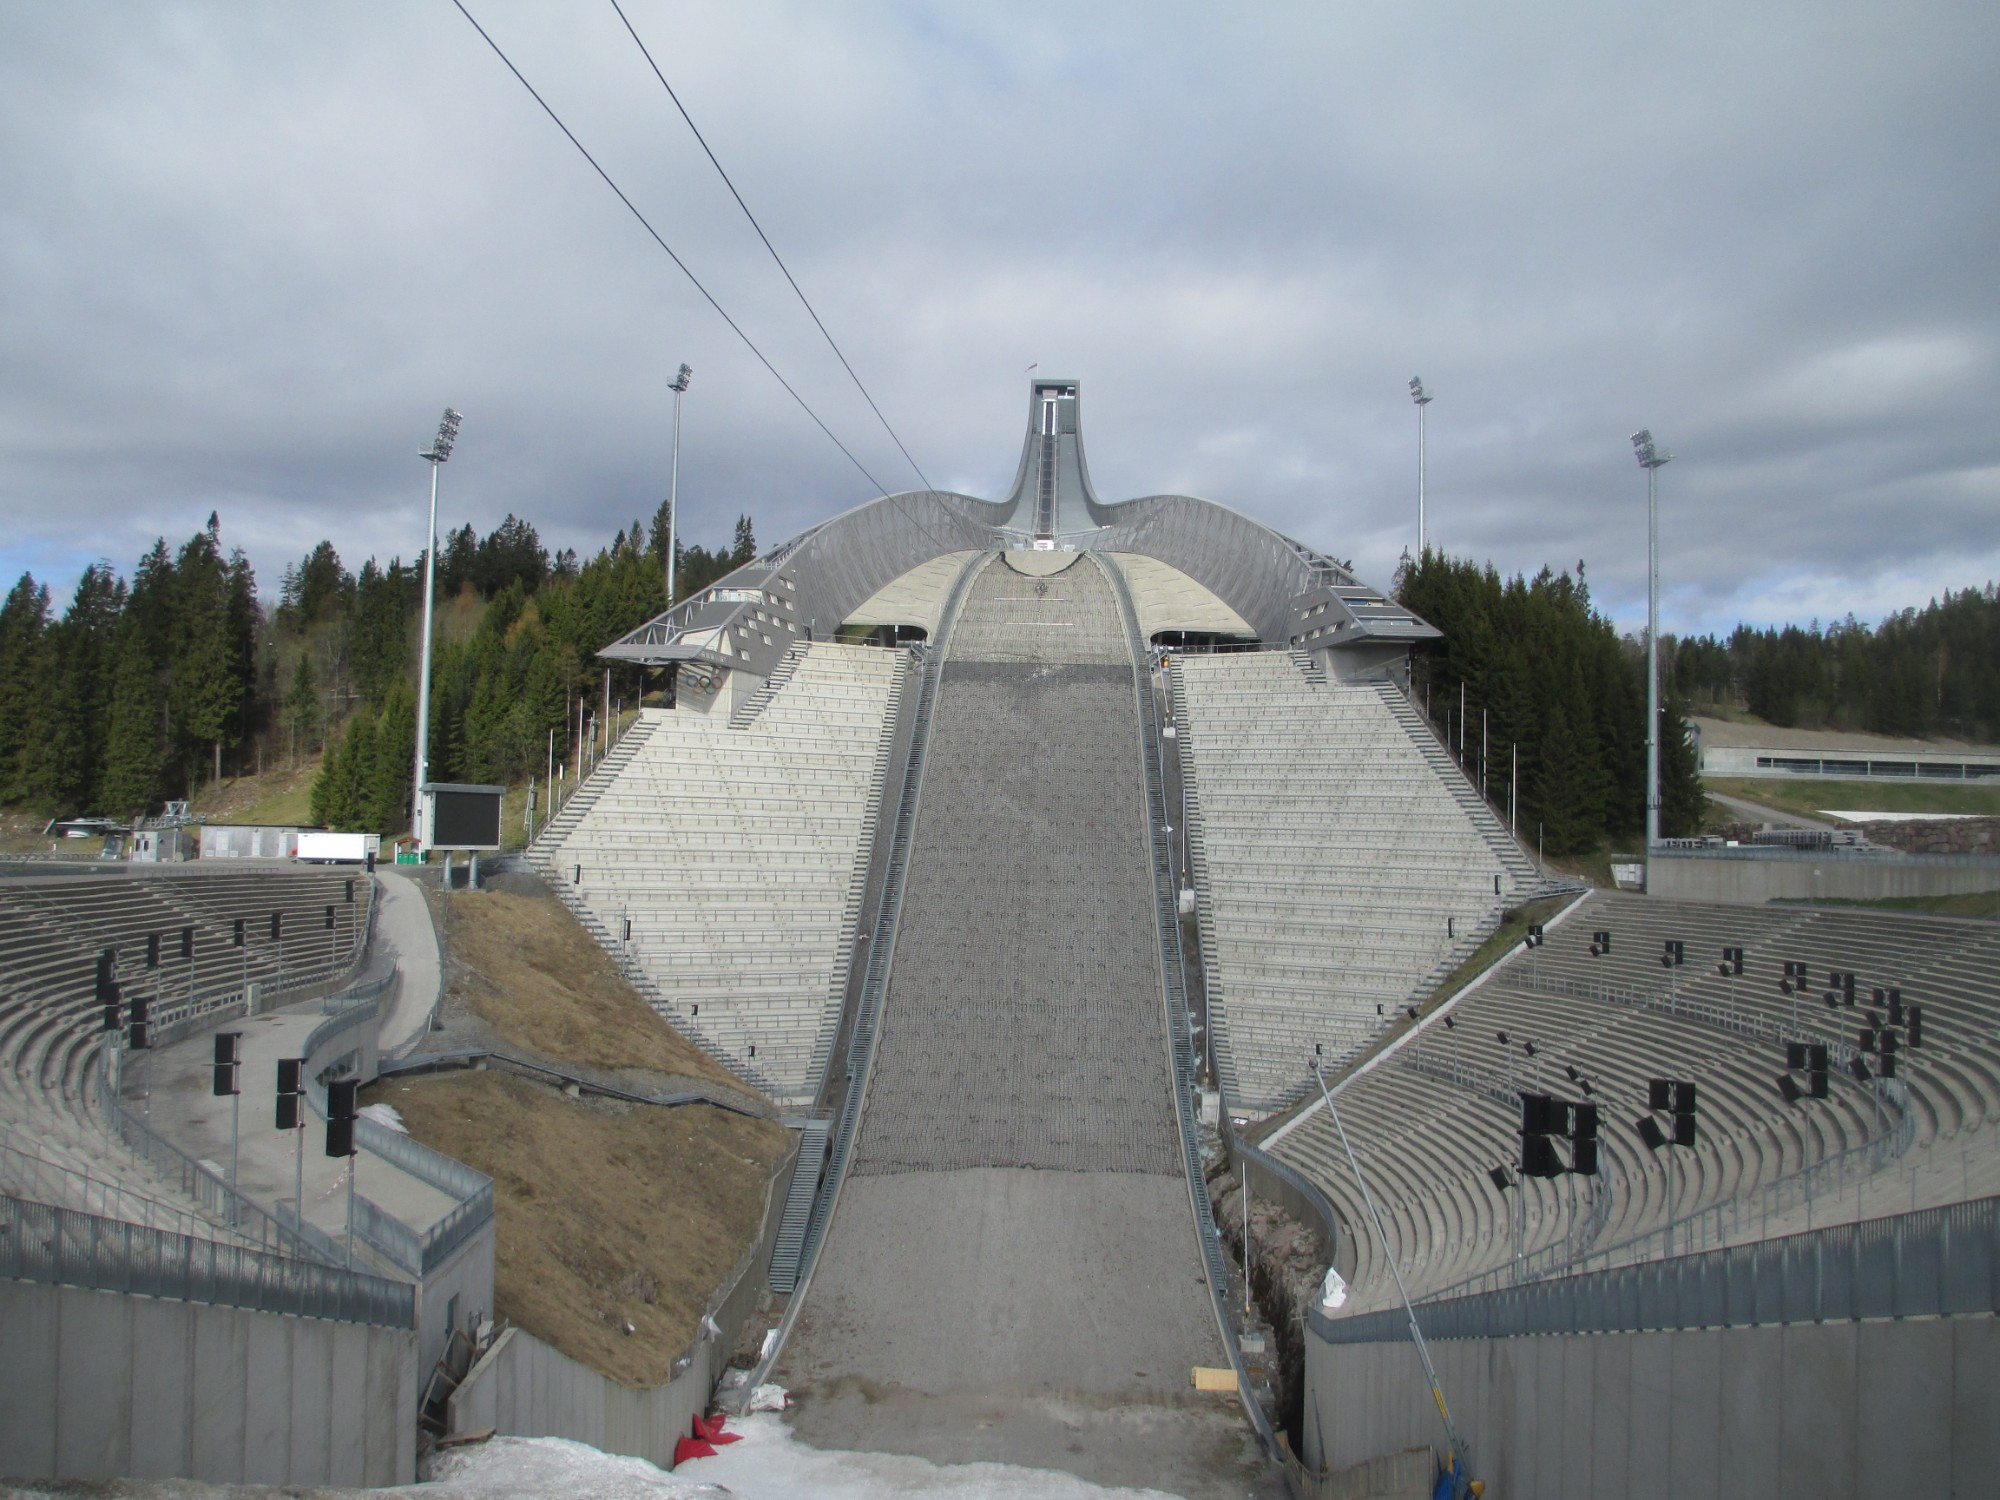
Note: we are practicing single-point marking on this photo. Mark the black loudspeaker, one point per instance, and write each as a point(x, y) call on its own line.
point(1886, 1044)
point(187, 942)
point(152, 950)
point(1603, 940)
point(224, 1083)
point(1859, 1069)
point(1684, 1100)
point(277, 926)
point(1649, 1132)
point(1816, 1083)
point(139, 1036)
point(1916, 1025)
point(350, 892)
point(288, 1111)
point(236, 933)
point(1684, 1129)
point(142, 1009)
point(1539, 1157)
point(1816, 1057)
point(340, 1098)
point(329, 919)
point(1537, 1114)
point(225, 1047)
point(112, 1019)
point(1788, 1087)
point(1895, 1009)
point(1583, 1158)
point(291, 1075)
point(1659, 1093)
point(1888, 1065)
point(1582, 1122)
point(371, 862)
point(1865, 1039)
point(340, 1137)
point(1795, 1056)
point(1500, 1178)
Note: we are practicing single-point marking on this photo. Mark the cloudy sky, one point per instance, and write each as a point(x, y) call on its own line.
point(249, 252)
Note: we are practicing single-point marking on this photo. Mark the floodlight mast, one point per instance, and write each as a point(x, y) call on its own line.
point(440, 451)
point(1422, 398)
point(679, 388)
point(1651, 457)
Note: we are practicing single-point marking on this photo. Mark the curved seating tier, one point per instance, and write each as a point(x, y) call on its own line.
point(1431, 1119)
point(53, 1049)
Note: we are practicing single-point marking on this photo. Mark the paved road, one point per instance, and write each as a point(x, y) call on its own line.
point(1756, 812)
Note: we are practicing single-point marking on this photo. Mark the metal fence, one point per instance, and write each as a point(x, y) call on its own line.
point(1937, 1262)
point(42, 1181)
point(59, 1246)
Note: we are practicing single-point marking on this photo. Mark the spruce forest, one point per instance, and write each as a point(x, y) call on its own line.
point(146, 689)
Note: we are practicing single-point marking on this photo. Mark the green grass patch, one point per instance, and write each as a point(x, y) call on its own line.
point(1810, 798)
point(1970, 904)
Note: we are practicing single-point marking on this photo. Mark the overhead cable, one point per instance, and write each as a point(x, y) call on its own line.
point(646, 224)
point(804, 301)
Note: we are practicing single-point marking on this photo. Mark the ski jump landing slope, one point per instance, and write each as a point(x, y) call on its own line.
point(1013, 1271)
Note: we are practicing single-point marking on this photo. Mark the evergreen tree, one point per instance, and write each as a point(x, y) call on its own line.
point(302, 706)
point(206, 683)
point(134, 758)
point(1683, 803)
point(745, 547)
point(24, 623)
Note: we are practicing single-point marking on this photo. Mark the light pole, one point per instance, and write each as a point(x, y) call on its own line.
point(1650, 459)
point(679, 389)
point(440, 450)
point(1423, 398)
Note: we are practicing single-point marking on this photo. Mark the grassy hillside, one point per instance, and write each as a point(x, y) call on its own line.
point(1811, 798)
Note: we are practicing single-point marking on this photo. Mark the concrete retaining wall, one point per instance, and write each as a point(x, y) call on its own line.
point(97, 1385)
point(1751, 878)
point(1836, 1411)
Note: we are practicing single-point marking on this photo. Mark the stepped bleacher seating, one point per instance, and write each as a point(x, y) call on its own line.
point(58, 1146)
point(736, 851)
point(1432, 1118)
point(1341, 863)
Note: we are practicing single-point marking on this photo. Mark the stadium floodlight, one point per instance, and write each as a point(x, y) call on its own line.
point(439, 452)
point(679, 388)
point(1422, 398)
point(1651, 456)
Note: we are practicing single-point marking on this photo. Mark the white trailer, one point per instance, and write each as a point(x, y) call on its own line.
point(336, 848)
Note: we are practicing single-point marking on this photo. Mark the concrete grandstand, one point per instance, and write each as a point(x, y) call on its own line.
point(1002, 844)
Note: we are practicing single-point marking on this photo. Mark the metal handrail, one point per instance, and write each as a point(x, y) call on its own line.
point(35, 1176)
point(1173, 980)
point(1933, 1262)
point(41, 1242)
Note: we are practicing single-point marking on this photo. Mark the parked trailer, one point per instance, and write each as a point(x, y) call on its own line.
point(337, 848)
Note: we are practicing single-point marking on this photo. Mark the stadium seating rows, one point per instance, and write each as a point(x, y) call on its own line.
point(1432, 1119)
point(1337, 865)
point(736, 852)
point(53, 1048)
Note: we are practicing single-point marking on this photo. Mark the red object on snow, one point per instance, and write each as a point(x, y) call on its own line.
point(687, 1448)
point(710, 1428)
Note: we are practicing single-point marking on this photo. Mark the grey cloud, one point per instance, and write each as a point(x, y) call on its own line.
point(247, 255)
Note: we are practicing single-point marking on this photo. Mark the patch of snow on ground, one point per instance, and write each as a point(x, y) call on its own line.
point(552, 1466)
point(384, 1115)
point(768, 1464)
point(771, 1464)
point(1894, 817)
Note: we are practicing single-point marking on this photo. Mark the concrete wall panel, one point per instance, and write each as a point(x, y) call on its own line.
point(312, 1390)
point(1817, 1412)
point(1610, 1423)
point(94, 1384)
point(347, 1429)
point(221, 1351)
point(1750, 1383)
point(1694, 1412)
point(162, 1389)
point(1975, 1404)
point(28, 1379)
point(267, 1406)
point(1904, 1374)
point(1648, 1451)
